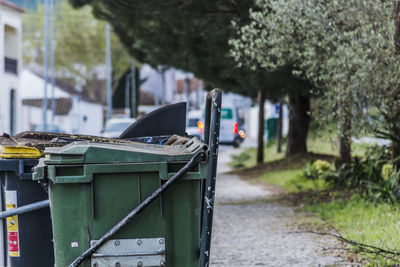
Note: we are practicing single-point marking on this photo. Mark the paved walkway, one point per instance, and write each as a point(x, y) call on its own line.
point(249, 230)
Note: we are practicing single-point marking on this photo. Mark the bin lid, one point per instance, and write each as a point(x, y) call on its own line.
point(19, 152)
point(41, 140)
point(175, 149)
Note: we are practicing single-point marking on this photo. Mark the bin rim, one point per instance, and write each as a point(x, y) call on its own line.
point(90, 153)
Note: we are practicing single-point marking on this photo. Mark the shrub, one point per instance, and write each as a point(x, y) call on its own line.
point(322, 165)
point(387, 171)
point(238, 161)
point(317, 170)
point(386, 190)
point(373, 176)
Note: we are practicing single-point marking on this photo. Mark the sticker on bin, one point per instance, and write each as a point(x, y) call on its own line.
point(12, 225)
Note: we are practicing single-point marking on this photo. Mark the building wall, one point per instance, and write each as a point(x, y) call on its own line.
point(10, 21)
point(32, 86)
point(153, 83)
point(84, 118)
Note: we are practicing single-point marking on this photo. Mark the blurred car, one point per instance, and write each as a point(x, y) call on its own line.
point(230, 131)
point(195, 126)
point(53, 128)
point(116, 126)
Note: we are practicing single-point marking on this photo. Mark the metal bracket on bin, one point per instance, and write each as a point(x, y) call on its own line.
point(146, 252)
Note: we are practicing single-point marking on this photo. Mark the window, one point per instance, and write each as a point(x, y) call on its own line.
point(226, 113)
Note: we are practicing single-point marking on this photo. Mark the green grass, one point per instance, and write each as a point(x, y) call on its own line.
point(318, 141)
point(247, 158)
point(365, 222)
point(291, 180)
point(357, 219)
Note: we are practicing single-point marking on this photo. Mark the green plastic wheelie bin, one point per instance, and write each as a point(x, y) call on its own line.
point(270, 128)
point(26, 238)
point(134, 204)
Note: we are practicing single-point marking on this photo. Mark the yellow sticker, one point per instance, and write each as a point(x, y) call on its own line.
point(12, 225)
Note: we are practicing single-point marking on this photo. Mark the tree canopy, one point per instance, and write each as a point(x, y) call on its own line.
point(344, 47)
point(79, 46)
point(192, 36)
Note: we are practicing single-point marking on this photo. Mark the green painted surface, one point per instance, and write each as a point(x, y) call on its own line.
point(270, 127)
point(84, 212)
point(88, 199)
point(82, 152)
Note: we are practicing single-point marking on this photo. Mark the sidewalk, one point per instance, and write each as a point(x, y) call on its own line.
point(252, 230)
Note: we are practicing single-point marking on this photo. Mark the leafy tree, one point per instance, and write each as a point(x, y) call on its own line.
point(344, 47)
point(79, 46)
point(193, 36)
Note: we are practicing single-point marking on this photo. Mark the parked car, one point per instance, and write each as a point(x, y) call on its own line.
point(231, 131)
point(195, 125)
point(116, 126)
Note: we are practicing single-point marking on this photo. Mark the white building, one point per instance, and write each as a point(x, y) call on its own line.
point(153, 83)
point(10, 66)
point(74, 113)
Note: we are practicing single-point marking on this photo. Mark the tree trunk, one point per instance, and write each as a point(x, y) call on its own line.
point(345, 116)
point(260, 144)
point(299, 120)
point(396, 154)
point(279, 128)
point(397, 27)
point(135, 93)
point(345, 140)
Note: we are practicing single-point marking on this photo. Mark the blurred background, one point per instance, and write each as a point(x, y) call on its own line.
point(66, 71)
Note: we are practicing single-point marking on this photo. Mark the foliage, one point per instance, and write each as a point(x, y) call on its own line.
point(344, 47)
point(373, 175)
point(319, 169)
point(365, 222)
point(368, 168)
point(319, 141)
point(384, 190)
point(192, 36)
point(387, 171)
point(79, 46)
point(238, 161)
point(292, 180)
point(322, 165)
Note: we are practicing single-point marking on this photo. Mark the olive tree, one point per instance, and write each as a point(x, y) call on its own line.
point(344, 47)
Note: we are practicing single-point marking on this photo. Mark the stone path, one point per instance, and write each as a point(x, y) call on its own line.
point(249, 230)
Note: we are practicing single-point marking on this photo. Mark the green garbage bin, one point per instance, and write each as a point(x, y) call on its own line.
point(28, 233)
point(93, 186)
point(270, 128)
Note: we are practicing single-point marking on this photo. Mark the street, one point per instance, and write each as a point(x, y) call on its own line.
point(251, 229)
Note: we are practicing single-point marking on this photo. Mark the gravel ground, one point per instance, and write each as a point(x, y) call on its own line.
point(249, 230)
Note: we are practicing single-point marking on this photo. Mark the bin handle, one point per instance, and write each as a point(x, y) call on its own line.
point(211, 137)
point(134, 213)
